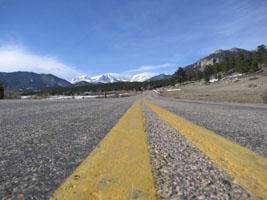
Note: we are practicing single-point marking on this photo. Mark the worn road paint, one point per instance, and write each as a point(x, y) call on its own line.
point(247, 167)
point(118, 168)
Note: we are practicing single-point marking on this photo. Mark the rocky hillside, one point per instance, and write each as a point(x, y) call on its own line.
point(216, 57)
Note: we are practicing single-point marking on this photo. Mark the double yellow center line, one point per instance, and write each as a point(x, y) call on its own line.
point(247, 167)
point(119, 167)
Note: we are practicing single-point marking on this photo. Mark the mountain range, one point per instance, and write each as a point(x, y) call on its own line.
point(34, 81)
point(103, 78)
point(30, 80)
point(111, 78)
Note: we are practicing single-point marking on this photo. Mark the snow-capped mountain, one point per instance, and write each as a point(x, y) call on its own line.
point(139, 77)
point(104, 78)
point(110, 78)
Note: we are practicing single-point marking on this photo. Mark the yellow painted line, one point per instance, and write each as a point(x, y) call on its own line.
point(118, 168)
point(247, 167)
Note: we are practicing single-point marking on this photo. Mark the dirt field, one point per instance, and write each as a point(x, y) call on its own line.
point(244, 89)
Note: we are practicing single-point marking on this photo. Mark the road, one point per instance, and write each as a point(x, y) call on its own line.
point(43, 141)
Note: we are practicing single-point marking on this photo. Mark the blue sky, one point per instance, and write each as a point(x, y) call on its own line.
point(69, 38)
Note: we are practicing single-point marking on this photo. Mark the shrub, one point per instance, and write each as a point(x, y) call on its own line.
point(11, 93)
point(264, 97)
point(1, 91)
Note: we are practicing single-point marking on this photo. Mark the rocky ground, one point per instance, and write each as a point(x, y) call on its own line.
point(180, 170)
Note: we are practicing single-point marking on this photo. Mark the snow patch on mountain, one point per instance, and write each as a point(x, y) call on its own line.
point(140, 77)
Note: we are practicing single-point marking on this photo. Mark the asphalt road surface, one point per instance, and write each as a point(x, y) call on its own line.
point(43, 141)
point(243, 124)
point(181, 171)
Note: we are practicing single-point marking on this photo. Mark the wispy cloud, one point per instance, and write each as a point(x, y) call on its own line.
point(244, 18)
point(145, 68)
point(17, 58)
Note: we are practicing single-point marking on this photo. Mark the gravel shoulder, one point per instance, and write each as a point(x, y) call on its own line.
point(180, 170)
point(245, 125)
point(42, 142)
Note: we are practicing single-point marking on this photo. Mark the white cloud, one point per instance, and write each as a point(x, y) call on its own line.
point(146, 68)
point(16, 58)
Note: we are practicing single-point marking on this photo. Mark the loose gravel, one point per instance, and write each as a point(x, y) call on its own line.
point(43, 141)
point(243, 124)
point(181, 171)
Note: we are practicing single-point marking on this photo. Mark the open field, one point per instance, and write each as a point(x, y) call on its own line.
point(245, 89)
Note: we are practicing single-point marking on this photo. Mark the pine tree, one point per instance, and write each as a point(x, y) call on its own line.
point(180, 75)
point(226, 65)
point(247, 63)
point(199, 75)
point(240, 62)
point(265, 59)
point(254, 66)
point(208, 71)
point(232, 63)
point(261, 53)
point(217, 68)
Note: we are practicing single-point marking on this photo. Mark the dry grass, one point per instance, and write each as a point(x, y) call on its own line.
point(252, 89)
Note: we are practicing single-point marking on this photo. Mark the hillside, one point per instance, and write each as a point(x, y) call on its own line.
point(234, 88)
point(30, 80)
